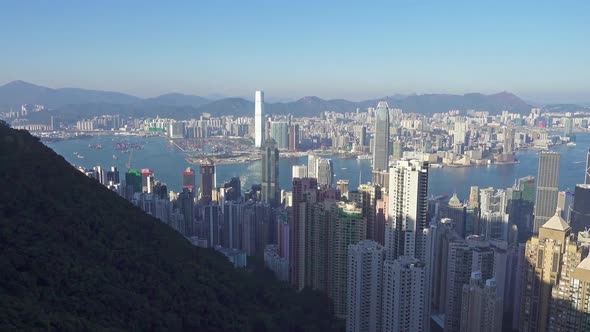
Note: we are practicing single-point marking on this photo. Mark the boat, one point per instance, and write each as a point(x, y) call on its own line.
point(571, 144)
point(364, 157)
point(80, 156)
point(115, 157)
point(437, 165)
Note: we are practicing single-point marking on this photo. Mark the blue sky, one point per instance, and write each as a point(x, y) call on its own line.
point(334, 49)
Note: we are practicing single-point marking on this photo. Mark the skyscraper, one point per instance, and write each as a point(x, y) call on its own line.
point(408, 190)
point(587, 175)
point(580, 211)
point(404, 280)
point(188, 179)
point(207, 171)
point(365, 270)
point(545, 255)
point(547, 188)
point(271, 192)
point(312, 166)
point(381, 145)
point(279, 131)
point(297, 223)
point(259, 119)
point(325, 172)
point(299, 171)
point(481, 307)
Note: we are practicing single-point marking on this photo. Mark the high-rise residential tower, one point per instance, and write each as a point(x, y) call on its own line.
point(259, 119)
point(408, 190)
point(547, 188)
point(381, 144)
point(365, 271)
point(271, 192)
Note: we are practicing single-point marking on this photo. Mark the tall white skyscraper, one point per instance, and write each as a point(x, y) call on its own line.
point(404, 307)
point(408, 190)
point(259, 119)
point(312, 166)
point(363, 294)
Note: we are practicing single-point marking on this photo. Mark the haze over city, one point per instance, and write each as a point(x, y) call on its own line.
point(355, 51)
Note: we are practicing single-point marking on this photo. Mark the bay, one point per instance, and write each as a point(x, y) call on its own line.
point(168, 162)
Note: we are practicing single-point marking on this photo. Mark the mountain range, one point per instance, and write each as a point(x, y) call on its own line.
point(75, 256)
point(73, 104)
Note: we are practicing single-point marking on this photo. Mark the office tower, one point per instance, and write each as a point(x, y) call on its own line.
point(456, 211)
point(207, 171)
point(464, 257)
point(474, 197)
point(232, 190)
point(279, 131)
point(231, 212)
point(403, 309)
point(369, 194)
point(188, 179)
point(361, 134)
point(520, 213)
point(527, 186)
point(259, 119)
point(132, 183)
point(113, 175)
point(312, 166)
point(493, 216)
point(587, 175)
point(570, 298)
point(481, 307)
point(271, 192)
point(147, 180)
point(408, 190)
point(186, 202)
point(580, 211)
point(508, 145)
point(381, 147)
point(545, 255)
point(293, 137)
point(100, 175)
point(365, 271)
point(342, 186)
point(547, 188)
point(325, 172)
point(299, 171)
point(297, 222)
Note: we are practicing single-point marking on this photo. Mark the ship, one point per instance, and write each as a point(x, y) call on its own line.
point(571, 144)
point(364, 157)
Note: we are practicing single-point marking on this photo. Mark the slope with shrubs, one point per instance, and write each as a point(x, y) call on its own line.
point(75, 256)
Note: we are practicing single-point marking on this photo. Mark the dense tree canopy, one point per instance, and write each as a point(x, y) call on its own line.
point(75, 256)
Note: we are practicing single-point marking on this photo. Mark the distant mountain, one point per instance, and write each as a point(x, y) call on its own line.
point(176, 99)
point(17, 93)
point(74, 104)
point(562, 108)
point(76, 256)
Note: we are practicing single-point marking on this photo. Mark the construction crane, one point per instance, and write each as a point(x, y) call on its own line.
point(128, 164)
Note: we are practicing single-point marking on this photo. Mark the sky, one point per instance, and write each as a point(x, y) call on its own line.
point(539, 50)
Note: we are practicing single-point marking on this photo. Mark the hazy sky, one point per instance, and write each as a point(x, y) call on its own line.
point(333, 49)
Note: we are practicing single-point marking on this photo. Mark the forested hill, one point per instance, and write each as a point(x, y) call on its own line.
point(75, 256)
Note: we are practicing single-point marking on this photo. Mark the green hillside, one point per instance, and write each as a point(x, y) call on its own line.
point(75, 256)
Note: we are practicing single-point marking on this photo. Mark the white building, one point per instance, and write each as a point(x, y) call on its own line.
point(408, 189)
point(404, 309)
point(259, 119)
point(363, 297)
point(299, 171)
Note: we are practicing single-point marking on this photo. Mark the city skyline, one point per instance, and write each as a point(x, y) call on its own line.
point(188, 53)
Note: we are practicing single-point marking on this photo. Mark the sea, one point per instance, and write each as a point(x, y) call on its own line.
point(168, 162)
